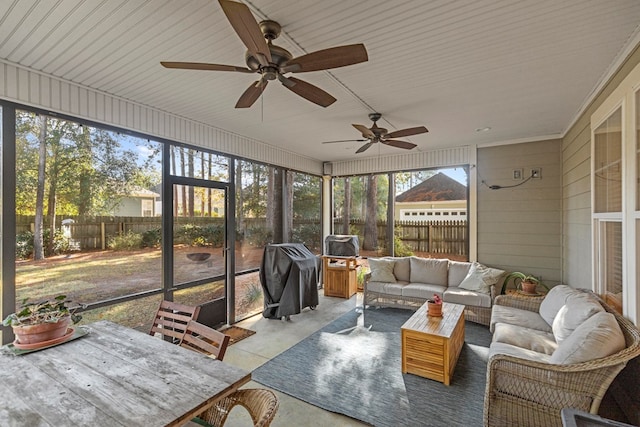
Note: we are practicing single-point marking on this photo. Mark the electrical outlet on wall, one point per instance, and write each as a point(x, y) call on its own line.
point(517, 174)
point(536, 173)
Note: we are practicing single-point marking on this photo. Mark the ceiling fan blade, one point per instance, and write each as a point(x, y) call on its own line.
point(325, 59)
point(364, 148)
point(204, 66)
point(400, 144)
point(307, 91)
point(345, 140)
point(365, 131)
point(252, 93)
point(245, 25)
point(407, 132)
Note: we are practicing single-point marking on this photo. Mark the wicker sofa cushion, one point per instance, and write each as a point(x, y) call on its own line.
point(512, 350)
point(457, 272)
point(419, 290)
point(402, 268)
point(553, 302)
point(429, 270)
point(382, 270)
point(577, 310)
point(386, 287)
point(530, 339)
point(467, 297)
point(518, 317)
point(598, 336)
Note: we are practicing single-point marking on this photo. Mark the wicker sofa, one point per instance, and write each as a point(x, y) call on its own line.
point(548, 353)
point(407, 282)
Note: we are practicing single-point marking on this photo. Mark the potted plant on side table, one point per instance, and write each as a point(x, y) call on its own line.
point(39, 322)
point(525, 283)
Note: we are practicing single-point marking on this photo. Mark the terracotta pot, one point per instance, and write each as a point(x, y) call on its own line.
point(529, 287)
point(30, 334)
point(434, 310)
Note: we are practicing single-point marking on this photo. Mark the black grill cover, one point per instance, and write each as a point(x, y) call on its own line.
point(341, 245)
point(289, 275)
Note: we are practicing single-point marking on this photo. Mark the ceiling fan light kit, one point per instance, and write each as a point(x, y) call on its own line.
point(272, 62)
point(376, 134)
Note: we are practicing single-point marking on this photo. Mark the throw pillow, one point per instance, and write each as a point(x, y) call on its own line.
point(429, 270)
point(480, 278)
point(579, 307)
point(599, 336)
point(382, 270)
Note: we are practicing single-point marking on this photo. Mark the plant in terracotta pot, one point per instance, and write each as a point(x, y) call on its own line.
point(526, 283)
point(434, 306)
point(42, 321)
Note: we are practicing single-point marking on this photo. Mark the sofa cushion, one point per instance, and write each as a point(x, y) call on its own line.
point(386, 288)
point(518, 317)
point(578, 308)
point(466, 297)
point(457, 272)
point(522, 353)
point(429, 270)
point(553, 302)
point(531, 339)
point(422, 290)
point(402, 268)
point(382, 270)
point(598, 336)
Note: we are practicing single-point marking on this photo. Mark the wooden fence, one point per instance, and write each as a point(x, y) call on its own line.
point(439, 237)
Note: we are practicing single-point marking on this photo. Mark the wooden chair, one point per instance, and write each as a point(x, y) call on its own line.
point(262, 405)
point(205, 340)
point(171, 320)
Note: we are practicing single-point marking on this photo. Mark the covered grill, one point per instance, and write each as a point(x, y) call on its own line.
point(289, 275)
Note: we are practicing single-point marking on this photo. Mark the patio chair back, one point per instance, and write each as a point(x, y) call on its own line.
point(171, 320)
point(205, 340)
point(262, 405)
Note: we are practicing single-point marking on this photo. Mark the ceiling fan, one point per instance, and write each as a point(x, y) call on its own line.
point(273, 62)
point(377, 134)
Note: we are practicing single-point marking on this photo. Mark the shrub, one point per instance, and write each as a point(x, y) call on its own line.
point(24, 244)
point(259, 236)
point(253, 295)
point(152, 238)
point(128, 241)
point(309, 234)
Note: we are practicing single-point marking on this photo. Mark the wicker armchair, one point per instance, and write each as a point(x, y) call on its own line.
point(526, 393)
point(262, 405)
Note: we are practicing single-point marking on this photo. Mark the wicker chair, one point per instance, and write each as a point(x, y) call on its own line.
point(526, 393)
point(171, 320)
point(262, 405)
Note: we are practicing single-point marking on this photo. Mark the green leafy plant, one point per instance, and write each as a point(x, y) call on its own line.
point(518, 278)
point(254, 294)
point(50, 311)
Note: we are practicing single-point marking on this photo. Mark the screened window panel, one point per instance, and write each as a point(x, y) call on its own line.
point(608, 164)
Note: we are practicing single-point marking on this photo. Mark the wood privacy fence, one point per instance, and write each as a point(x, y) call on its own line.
point(440, 237)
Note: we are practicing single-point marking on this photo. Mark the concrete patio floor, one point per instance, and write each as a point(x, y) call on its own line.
point(272, 337)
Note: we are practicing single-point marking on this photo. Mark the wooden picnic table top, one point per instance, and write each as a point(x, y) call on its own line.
point(113, 376)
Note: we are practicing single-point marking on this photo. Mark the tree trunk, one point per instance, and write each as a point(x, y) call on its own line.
point(204, 193)
point(239, 198)
point(270, 215)
point(370, 225)
point(346, 209)
point(38, 234)
point(84, 202)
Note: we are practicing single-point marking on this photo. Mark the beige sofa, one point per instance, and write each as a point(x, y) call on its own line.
point(409, 281)
point(548, 353)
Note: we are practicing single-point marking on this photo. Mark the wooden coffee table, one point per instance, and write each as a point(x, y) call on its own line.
point(431, 345)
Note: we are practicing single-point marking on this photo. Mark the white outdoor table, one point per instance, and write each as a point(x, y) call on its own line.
point(114, 376)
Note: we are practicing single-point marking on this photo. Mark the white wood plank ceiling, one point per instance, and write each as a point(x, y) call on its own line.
point(523, 68)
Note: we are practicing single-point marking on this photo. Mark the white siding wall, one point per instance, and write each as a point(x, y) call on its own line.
point(519, 229)
point(576, 187)
point(58, 96)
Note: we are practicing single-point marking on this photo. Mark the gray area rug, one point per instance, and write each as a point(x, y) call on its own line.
point(353, 367)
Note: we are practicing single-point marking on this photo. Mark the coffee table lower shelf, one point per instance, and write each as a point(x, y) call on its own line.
point(431, 345)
